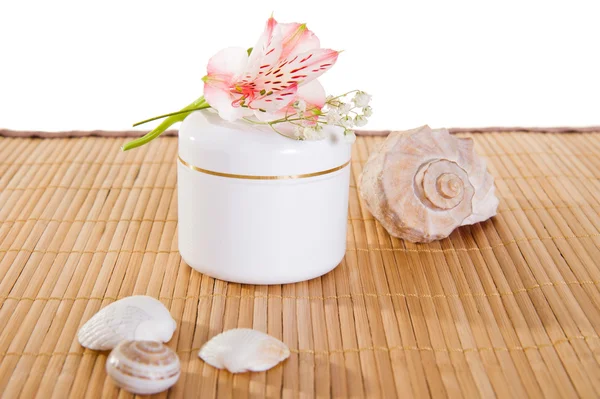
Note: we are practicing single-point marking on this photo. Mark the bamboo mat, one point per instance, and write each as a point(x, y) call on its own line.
point(507, 308)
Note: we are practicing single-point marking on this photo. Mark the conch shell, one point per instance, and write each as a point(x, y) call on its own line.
point(244, 349)
point(143, 367)
point(137, 317)
point(422, 184)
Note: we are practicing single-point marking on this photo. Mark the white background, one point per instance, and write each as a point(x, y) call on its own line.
point(105, 64)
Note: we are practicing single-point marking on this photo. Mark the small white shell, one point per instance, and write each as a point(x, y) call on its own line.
point(133, 318)
point(143, 367)
point(244, 349)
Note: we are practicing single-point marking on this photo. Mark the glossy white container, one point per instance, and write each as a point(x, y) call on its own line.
point(259, 208)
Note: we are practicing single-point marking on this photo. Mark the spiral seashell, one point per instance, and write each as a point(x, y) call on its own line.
point(422, 184)
point(137, 317)
point(143, 367)
point(243, 349)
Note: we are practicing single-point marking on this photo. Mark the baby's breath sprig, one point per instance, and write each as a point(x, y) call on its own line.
point(307, 122)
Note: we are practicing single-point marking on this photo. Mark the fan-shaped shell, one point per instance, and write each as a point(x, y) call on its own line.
point(143, 367)
point(244, 349)
point(422, 184)
point(133, 318)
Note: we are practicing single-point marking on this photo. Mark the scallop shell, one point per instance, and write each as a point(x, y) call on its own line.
point(143, 367)
point(422, 184)
point(133, 318)
point(243, 349)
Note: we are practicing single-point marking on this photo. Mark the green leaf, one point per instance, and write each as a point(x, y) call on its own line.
point(179, 116)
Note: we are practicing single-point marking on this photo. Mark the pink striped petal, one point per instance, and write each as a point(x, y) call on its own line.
point(274, 100)
point(297, 38)
point(312, 93)
point(298, 70)
point(266, 51)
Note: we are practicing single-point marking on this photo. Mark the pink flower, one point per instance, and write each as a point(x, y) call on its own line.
point(282, 68)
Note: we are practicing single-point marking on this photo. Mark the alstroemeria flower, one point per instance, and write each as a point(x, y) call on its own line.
point(277, 82)
point(283, 64)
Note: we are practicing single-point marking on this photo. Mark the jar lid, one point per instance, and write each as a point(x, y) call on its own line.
point(208, 142)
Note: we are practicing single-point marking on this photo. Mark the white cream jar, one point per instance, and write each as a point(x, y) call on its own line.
point(259, 208)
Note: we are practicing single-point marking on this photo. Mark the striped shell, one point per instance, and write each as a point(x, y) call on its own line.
point(133, 318)
point(243, 349)
point(143, 367)
point(422, 184)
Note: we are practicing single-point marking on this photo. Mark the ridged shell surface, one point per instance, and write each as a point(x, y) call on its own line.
point(243, 349)
point(143, 367)
point(422, 184)
point(133, 318)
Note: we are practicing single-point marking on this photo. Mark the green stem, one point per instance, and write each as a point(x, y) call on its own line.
point(171, 119)
point(201, 106)
point(343, 95)
point(281, 134)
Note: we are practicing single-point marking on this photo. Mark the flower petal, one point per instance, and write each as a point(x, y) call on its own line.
point(274, 100)
point(229, 62)
point(297, 38)
point(271, 116)
point(222, 101)
point(266, 51)
point(312, 93)
point(300, 69)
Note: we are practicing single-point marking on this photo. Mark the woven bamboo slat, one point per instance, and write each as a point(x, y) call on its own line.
point(507, 308)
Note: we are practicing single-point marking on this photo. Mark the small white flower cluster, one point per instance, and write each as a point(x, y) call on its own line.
point(348, 115)
point(307, 121)
point(306, 127)
point(300, 105)
point(309, 132)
